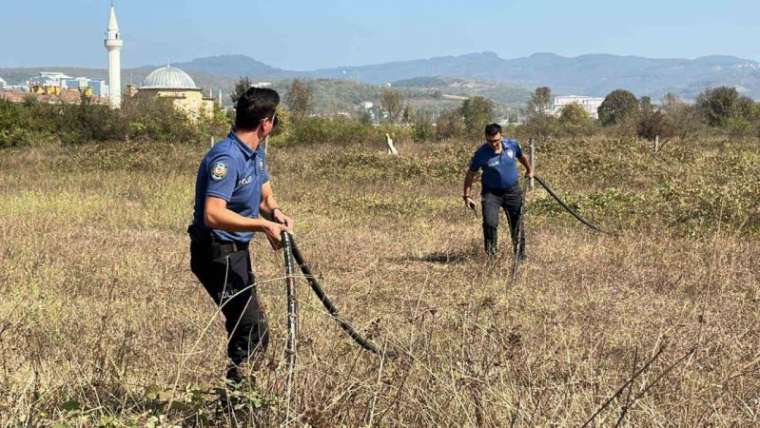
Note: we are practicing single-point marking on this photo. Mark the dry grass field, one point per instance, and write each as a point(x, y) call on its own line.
point(102, 323)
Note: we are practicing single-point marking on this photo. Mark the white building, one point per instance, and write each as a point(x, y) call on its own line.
point(2, 83)
point(590, 104)
point(97, 87)
point(49, 79)
point(113, 44)
point(54, 79)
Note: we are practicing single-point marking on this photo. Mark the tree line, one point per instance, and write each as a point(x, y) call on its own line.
point(721, 110)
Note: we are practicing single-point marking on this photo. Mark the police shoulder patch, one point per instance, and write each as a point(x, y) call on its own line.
point(219, 171)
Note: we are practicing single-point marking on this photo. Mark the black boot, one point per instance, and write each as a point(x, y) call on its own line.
point(234, 377)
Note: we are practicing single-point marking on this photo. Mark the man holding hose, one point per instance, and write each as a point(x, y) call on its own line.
point(232, 191)
point(500, 188)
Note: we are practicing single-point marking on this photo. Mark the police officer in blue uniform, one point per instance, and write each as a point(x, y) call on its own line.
point(232, 194)
point(500, 187)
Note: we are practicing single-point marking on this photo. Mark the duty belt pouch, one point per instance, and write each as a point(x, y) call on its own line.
point(198, 235)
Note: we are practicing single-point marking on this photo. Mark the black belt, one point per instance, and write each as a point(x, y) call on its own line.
point(501, 192)
point(228, 246)
point(204, 237)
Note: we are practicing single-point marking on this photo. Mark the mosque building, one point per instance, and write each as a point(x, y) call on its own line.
point(174, 84)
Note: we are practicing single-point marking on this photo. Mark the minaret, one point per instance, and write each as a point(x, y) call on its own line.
point(114, 44)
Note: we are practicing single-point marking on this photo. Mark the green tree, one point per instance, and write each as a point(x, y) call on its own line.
point(645, 105)
point(477, 112)
point(299, 99)
point(620, 105)
point(653, 124)
point(392, 102)
point(540, 102)
point(718, 105)
point(242, 85)
point(450, 124)
point(422, 128)
point(365, 118)
point(575, 121)
point(408, 114)
point(540, 123)
point(682, 119)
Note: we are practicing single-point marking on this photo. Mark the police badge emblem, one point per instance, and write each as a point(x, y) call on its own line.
point(219, 171)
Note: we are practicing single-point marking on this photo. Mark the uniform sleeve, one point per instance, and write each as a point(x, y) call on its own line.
point(221, 177)
point(475, 163)
point(518, 150)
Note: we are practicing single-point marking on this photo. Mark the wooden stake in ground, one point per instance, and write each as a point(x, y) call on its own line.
point(532, 148)
point(391, 147)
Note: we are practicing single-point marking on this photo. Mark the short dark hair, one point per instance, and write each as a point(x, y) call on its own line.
point(255, 105)
point(493, 129)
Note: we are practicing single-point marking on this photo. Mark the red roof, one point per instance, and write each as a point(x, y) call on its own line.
point(13, 96)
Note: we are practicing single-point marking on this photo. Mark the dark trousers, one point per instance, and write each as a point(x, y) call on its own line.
point(226, 274)
point(510, 201)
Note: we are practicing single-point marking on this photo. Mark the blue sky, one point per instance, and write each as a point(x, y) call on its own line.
point(300, 34)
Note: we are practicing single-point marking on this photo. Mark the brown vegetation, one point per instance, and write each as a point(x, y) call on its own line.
point(100, 310)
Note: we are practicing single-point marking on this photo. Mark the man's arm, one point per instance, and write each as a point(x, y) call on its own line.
point(217, 216)
point(271, 209)
point(466, 195)
point(526, 163)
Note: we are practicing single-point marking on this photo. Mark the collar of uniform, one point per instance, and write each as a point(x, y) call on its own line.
point(503, 147)
point(247, 151)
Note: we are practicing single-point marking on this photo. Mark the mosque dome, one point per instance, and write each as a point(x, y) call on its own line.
point(168, 78)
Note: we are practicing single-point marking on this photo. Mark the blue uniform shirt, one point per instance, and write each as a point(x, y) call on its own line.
point(235, 173)
point(499, 170)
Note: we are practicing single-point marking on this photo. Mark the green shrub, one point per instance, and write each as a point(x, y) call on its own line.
point(143, 120)
point(342, 131)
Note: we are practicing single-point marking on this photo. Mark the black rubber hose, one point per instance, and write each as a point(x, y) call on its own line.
point(290, 282)
point(570, 210)
point(331, 308)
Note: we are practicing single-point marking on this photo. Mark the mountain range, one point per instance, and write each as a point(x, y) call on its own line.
point(593, 75)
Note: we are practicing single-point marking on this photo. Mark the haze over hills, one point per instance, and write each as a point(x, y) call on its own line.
point(594, 75)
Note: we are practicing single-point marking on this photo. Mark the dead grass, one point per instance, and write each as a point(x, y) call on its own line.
point(99, 307)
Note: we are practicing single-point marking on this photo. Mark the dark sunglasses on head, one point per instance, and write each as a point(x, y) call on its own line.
point(274, 119)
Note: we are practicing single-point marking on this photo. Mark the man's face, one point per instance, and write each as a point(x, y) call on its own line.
point(494, 140)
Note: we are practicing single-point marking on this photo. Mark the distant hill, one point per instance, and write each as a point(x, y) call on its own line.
point(505, 80)
point(235, 66)
point(595, 75)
